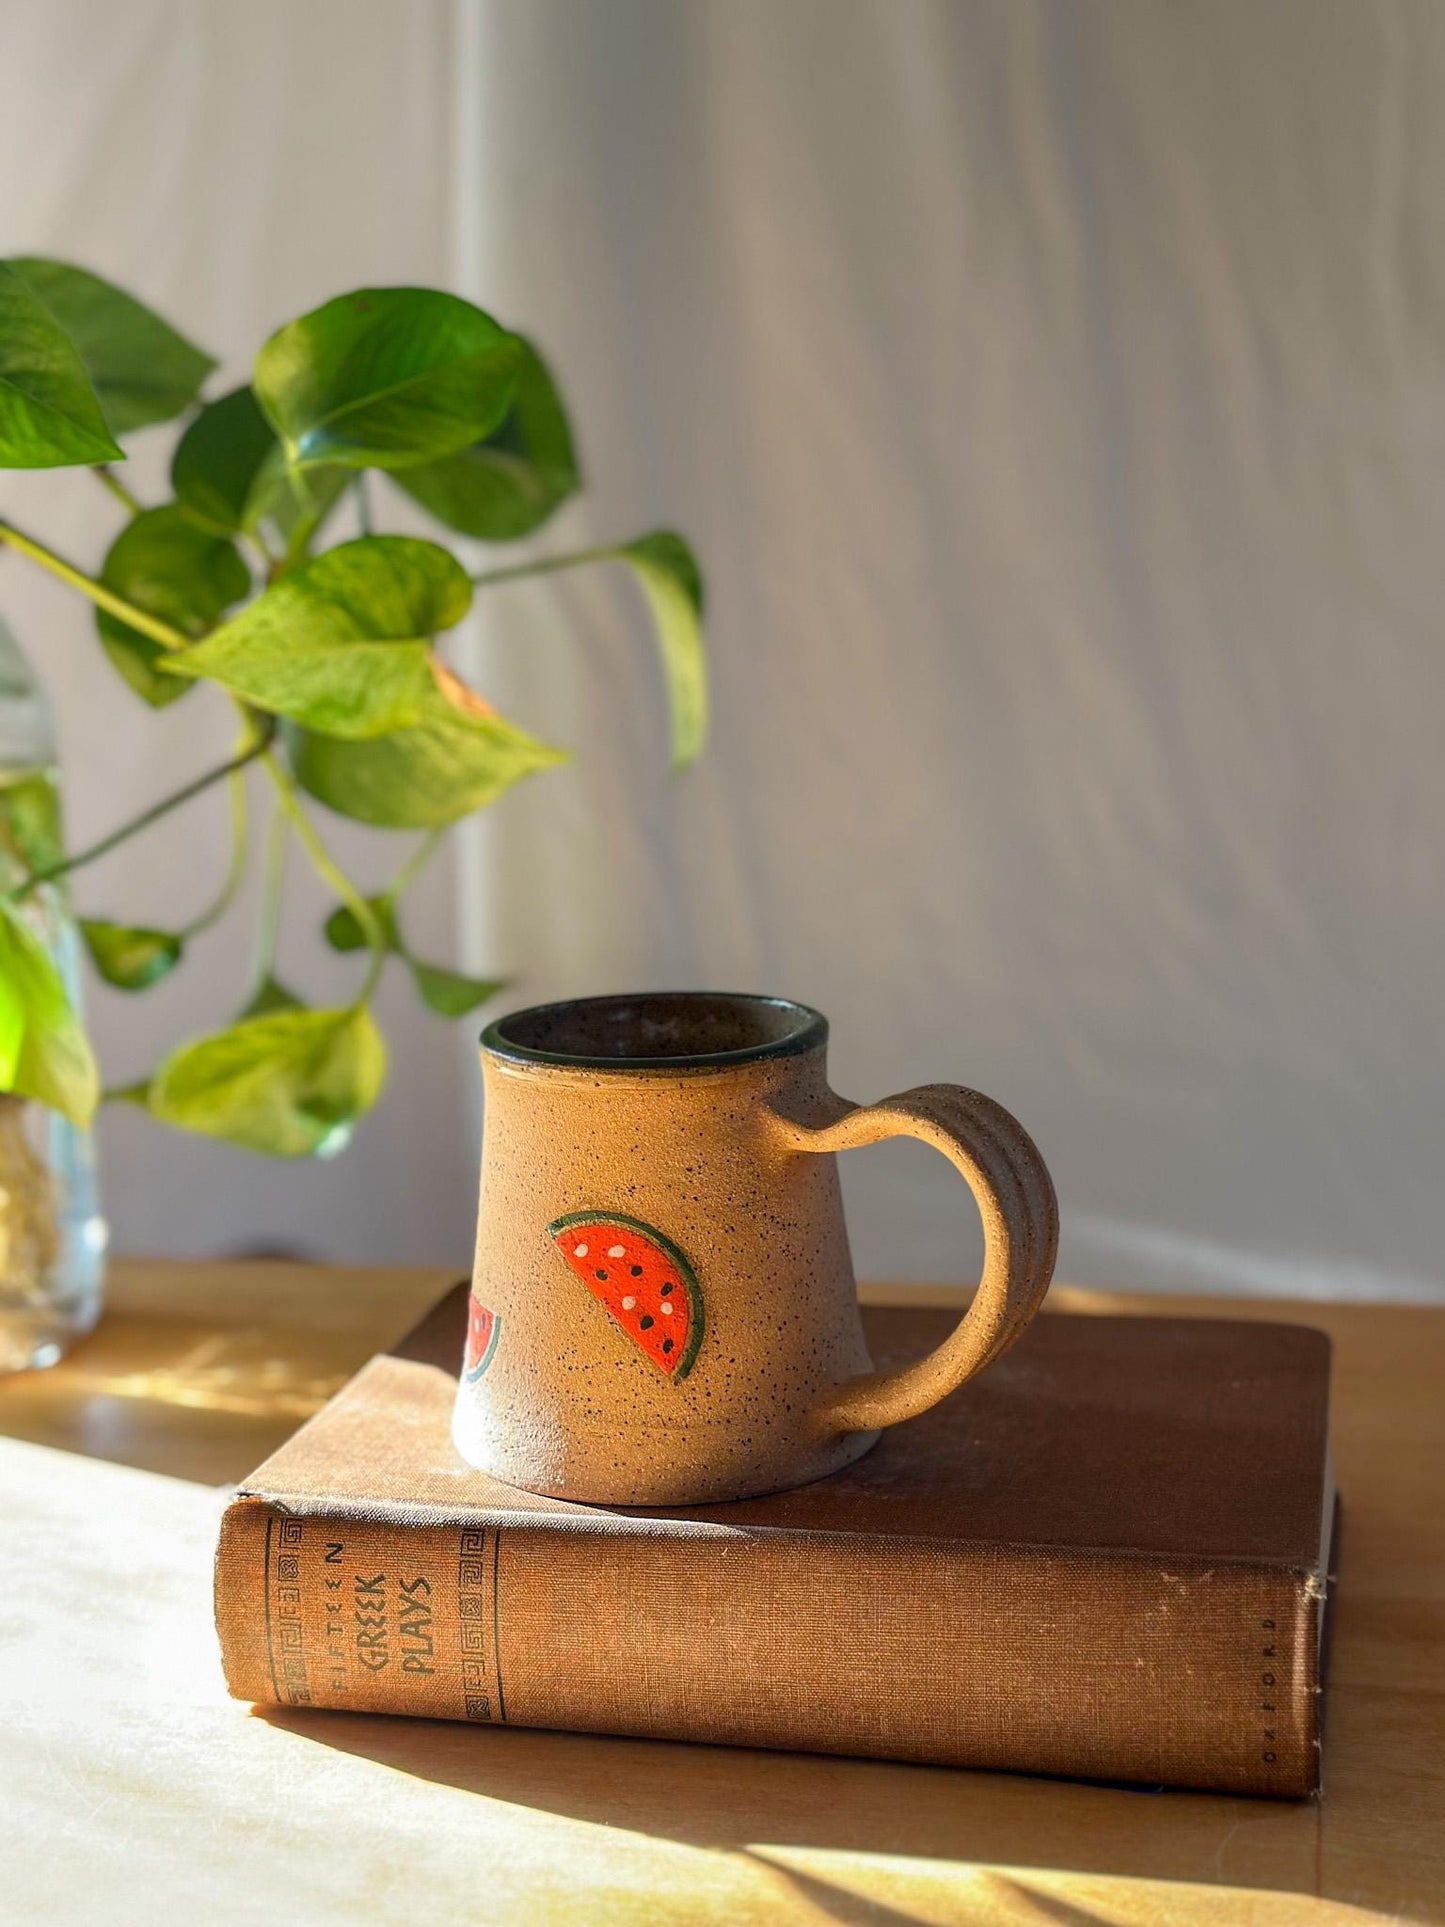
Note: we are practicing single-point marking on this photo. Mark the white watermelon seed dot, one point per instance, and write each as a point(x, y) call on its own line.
point(617, 1251)
point(628, 1303)
point(579, 1251)
point(667, 1308)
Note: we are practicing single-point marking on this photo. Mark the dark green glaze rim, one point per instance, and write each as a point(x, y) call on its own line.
point(684, 1271)
point(810, 1031)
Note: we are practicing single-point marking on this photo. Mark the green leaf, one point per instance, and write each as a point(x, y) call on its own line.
point(343, 931)
point(385, 377)
point(166, 564)
point(12, 1031)
point(131, 958)
point(672, 583)
point(50, 416)
point(231, 473)
point(217, 460)
point(448, 992)
point(340, 643)
point(270, 994)
point(44, 1052)
point(291, 1083)
point(507, 485)
point(457, 757)
point(143, 371)
point(30, 821)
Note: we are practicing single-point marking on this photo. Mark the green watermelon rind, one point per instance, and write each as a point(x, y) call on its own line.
point(474, 1372)
point(684, 1271)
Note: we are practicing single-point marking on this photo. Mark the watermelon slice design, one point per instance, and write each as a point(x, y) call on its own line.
point(483, 1327)
point(641, 1280)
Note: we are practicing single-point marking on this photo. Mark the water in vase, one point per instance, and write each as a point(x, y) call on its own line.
point(52, 1236)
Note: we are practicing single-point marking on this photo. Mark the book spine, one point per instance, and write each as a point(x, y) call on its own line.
point(1092, 1666)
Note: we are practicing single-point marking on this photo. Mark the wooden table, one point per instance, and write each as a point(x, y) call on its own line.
point(134, 1790)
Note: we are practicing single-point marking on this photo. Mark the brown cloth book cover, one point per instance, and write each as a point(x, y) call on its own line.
point(1104, 1558)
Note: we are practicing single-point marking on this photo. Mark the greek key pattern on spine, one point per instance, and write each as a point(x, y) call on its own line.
point(478, 1615)
point(284, 1613)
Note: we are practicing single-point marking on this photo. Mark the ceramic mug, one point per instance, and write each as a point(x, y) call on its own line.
point(663, 1308)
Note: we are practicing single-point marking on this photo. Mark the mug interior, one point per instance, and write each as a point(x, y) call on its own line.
point(657, 1030)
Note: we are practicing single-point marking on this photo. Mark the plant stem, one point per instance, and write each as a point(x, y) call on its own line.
point(415, 863)
point(104, 598)
point(545, 566)
point(273, 877)
point(144, 820)
point(236, 868)
point(331, 873)
point(108, 478)
point(403, 880)
point(267, 562)
point(363, 504)
point(313, 513)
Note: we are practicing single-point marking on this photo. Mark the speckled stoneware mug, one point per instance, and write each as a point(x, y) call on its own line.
point(663, 1309)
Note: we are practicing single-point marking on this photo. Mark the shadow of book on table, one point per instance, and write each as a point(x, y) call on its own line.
point(770, 1804)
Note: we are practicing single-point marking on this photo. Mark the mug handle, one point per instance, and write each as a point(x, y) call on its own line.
point(1000, 1163)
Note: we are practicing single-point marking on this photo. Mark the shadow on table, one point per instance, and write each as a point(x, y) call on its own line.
point(764, 1803)
point(1021, 1899)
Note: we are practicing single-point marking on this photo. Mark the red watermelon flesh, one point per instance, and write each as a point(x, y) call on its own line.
point(482, 1329)
point(641, 1279)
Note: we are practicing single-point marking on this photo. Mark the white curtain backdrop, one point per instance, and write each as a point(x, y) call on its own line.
point(1056, 397)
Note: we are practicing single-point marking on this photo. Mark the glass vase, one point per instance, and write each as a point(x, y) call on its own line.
point(52, 1236)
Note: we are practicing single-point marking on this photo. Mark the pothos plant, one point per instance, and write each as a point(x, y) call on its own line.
point(325, 650)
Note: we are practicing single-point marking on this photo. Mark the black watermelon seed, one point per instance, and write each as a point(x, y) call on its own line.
point(667, 1344)
point(666, 1289)
point(636, 1271)
point(600, 1274)
point(645, 1321)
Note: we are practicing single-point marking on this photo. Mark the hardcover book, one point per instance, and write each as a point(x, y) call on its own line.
point(1104, 1558)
